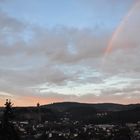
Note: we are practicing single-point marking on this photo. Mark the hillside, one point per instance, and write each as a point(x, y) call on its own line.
point(63, 106)
point(97, 113)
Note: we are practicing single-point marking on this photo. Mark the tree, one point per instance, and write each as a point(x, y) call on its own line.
point(7, 129)
point(8, 114)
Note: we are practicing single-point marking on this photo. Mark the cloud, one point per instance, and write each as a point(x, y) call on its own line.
point(9, 24)
point(124, 57)
point(44, 54)
point(65, 57)
point(69, 45)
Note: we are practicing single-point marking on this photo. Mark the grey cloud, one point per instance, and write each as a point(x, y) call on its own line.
point(59, 46)
point(125, 54)
point(42, 59)
point(9, 24)
point(59, 96)
point(31, 64)
point(92, 98)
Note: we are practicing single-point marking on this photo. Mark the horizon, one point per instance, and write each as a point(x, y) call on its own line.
point(95, 103)
point(76, 51)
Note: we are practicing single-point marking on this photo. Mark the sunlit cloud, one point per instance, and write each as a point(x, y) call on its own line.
point(67, 62)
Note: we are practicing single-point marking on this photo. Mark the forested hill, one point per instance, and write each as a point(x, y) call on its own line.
point(99, 106)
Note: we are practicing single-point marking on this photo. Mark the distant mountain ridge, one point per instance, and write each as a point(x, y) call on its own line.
point(111, 112)
point(63, 106)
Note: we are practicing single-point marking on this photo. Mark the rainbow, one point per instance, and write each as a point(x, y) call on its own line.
point(120, 28)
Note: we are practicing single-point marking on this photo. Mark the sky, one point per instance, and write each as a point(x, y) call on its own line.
point(69, 50)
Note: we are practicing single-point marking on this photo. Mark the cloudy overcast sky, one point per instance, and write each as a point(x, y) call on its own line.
point(69, 50)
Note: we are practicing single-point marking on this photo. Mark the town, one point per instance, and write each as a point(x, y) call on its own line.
point(64, 128)
point(74, 130)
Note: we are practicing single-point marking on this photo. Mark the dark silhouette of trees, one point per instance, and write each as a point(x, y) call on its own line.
point(8, 114)
point(7, 129)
